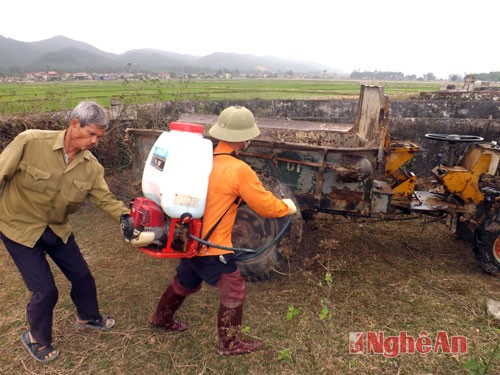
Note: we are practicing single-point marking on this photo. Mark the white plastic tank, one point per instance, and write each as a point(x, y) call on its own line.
point(177, 169)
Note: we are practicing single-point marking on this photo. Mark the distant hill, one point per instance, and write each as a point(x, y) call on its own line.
point(246, 63)
point(66, 55)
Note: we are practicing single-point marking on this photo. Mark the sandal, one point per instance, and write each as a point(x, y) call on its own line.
point(36, 351)
point(104, 324)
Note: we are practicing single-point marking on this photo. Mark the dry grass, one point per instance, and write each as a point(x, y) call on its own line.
point(379, 276)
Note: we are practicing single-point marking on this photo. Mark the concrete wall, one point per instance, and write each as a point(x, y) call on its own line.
point(453, 113)
point(468, 113)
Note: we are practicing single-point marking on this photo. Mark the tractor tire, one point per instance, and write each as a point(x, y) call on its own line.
point(487, 246)
point(252, 231)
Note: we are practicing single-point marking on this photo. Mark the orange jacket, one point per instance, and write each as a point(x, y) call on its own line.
point(232, 178)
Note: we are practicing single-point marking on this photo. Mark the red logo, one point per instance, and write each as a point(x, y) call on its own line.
point(392, 346)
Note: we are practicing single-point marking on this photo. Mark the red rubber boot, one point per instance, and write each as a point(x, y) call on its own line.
point(164, 315)
point(229, 325)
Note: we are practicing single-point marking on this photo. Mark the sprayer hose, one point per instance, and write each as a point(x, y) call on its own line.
point(275, 240)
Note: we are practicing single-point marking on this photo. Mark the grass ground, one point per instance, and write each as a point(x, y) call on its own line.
point(388, 277)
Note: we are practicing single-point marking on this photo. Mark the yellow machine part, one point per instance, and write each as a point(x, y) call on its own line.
point(400, 153)
point(406, 188)
point(465, 183)
point(397, 157)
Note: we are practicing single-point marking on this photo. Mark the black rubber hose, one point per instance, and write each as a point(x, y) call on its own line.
point(276, 239)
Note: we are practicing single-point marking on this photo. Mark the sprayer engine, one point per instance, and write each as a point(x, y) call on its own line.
point(154, 233)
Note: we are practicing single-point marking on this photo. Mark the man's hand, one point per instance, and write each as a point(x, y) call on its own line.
point(290, 204)
point(127, 227)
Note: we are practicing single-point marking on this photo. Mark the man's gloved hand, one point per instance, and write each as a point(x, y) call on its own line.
point(127, 227)
point(290, 204)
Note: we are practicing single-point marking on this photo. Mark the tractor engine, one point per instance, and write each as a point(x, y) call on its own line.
point(154, 233)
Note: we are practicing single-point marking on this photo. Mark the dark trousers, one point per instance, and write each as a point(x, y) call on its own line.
point(192, 271)
point(35, 270)
point(219, 271)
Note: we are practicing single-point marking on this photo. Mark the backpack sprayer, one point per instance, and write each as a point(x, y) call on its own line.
point(158, 235)
point(174, 184)
point(166, 222)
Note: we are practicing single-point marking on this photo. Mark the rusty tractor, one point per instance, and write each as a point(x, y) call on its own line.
point(357, 170)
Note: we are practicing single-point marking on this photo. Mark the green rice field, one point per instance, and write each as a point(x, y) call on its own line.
point(24, 97)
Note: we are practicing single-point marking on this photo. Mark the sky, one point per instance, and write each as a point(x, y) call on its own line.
point(442, 37)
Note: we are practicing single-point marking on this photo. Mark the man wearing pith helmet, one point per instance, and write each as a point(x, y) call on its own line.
point(231, 182)
point(235, 124)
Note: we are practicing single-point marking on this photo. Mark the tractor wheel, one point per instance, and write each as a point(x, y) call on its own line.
point(487, 246)
point(252, 231)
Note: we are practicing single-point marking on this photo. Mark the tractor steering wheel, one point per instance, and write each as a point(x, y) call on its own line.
point(454, 137)
point(452, 140)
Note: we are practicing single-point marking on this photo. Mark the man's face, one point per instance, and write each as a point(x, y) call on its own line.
point(239, 146)
point(87, 137)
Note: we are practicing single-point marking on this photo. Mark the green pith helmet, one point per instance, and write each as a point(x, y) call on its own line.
point(235, 124)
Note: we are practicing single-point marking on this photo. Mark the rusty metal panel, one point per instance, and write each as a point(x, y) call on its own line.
point(329, 167)
point(381, 197)
point(370, 124)
point(293, 131)
point(348, 200)
point(322, 178)
point(294, 167)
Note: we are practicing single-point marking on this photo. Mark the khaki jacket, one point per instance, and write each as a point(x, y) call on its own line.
point(40, 190)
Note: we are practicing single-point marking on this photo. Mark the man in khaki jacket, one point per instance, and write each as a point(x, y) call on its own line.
point(230, 182)
point(44, 177)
